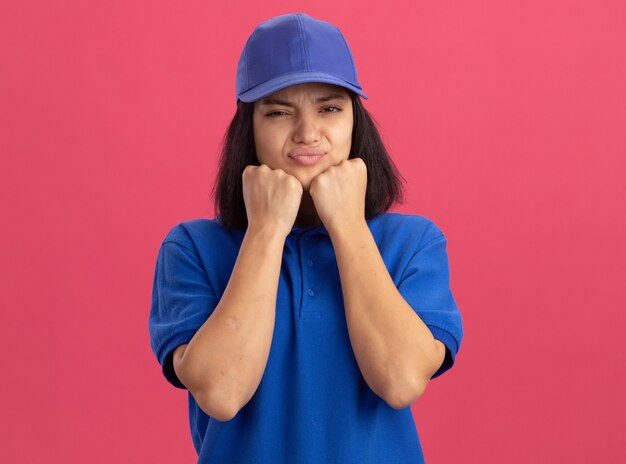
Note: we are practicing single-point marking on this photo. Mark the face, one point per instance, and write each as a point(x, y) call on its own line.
point(298, 122)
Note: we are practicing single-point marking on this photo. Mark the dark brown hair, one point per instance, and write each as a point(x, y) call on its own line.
point(384, 187)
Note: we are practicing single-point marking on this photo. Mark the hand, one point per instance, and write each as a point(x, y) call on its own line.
point(339, 194)
point(272, 197)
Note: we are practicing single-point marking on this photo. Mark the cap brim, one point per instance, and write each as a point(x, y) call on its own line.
point(278, 83)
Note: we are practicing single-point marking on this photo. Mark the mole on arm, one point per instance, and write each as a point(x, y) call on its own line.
point(232, 324)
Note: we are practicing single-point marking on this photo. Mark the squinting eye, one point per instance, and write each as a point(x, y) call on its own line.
point(274, 114)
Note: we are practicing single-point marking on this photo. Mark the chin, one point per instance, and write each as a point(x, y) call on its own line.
point(304, 180)
point(306, 185)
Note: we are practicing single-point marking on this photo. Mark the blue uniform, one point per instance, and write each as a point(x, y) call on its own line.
point(313, 405)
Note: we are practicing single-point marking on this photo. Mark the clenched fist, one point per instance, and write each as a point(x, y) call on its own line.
point(339, 194)
point(272, 198)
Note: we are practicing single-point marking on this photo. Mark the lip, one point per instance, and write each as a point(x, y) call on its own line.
point(306, 156)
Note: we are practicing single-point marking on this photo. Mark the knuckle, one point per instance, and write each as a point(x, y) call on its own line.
point(246, 172)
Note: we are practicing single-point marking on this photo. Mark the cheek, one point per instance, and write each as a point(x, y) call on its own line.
point(268, 144)
point(260, 136)
point(345, 135)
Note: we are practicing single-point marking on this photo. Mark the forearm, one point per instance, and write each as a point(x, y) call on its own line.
point(395, 350)
point(225, 360)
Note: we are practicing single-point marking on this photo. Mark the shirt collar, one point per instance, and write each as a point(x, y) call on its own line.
point(315, 230)
point(309, 230)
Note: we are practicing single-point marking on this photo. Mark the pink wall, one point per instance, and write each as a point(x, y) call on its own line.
point(506, 118)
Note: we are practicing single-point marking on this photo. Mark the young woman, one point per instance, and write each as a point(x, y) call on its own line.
point(305, 318)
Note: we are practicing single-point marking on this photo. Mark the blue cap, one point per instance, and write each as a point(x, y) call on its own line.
point(292, 49)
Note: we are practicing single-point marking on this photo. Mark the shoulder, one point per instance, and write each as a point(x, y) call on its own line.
point(411, 228)
point(204, 235)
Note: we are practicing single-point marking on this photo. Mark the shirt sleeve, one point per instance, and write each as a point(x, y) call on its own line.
point(425, 285)
point(182, 300)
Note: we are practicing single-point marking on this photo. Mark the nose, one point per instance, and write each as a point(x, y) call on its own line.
point(306, 130)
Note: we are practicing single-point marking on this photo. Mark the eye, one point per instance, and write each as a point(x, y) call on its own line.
point(275, 114)
point(333, 107)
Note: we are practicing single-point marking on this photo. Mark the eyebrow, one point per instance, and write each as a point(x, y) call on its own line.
point(276, 101)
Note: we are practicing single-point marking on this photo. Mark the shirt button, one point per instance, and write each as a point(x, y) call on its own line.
point(309, 262)
point(310, 292)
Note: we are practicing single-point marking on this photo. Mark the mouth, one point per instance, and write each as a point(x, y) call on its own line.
point(306, 156)
point(307, 160)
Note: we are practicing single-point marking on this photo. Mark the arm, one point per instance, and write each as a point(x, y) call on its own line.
point(396, 352)
point(224, 362)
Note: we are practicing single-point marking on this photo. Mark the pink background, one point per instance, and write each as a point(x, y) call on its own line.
point(506, 118)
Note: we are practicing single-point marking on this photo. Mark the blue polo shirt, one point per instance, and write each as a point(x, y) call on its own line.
point(313, 405)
